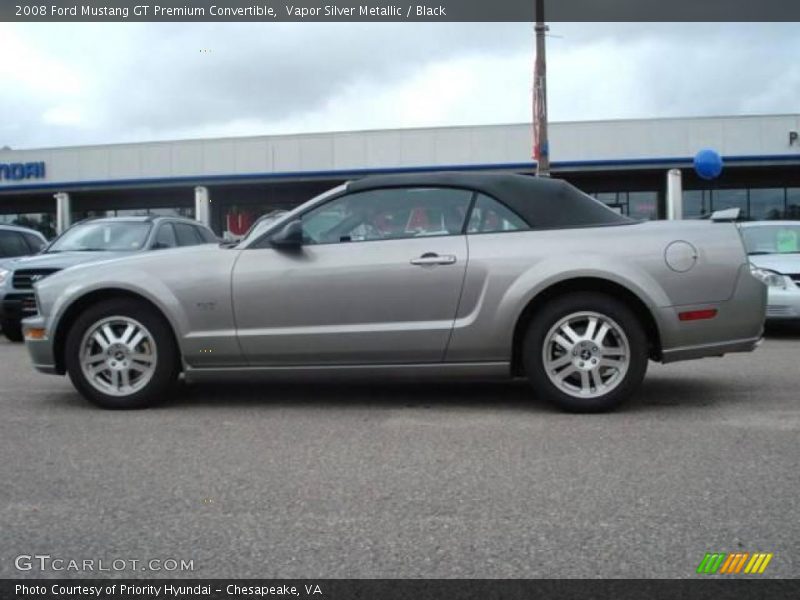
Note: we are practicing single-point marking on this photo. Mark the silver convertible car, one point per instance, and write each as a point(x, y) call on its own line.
point(430, 275)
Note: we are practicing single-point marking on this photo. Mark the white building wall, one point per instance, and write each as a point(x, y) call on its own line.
point(581, 142)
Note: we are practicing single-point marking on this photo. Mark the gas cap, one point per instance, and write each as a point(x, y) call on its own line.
point(680, 256)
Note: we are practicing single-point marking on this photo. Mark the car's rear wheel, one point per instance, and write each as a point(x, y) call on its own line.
point(12, 330)
point(585, 352)
point(121, 354)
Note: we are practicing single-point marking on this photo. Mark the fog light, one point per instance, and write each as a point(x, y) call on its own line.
point(37, 333)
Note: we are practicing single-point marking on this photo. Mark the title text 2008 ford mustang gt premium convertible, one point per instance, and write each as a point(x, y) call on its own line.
point(428, 275)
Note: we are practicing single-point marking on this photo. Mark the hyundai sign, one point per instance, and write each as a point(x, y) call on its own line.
point(21, 171)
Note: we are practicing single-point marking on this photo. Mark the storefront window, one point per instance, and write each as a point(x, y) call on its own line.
point(643, 205)
point(767, 203)
point(722, 199)
point(696, 203)
point(637, 205)
point(792, 204)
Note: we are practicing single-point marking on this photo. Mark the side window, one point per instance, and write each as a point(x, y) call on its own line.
point(388, 214)
point(34, 243)
point(187, 235)
point(207, 236)
point(165, 237)
point(489, 216)
point(13, 244)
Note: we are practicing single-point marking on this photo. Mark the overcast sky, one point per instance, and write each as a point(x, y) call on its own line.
point(67, 84)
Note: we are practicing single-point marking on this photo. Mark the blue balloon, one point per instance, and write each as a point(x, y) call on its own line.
point(708, 164)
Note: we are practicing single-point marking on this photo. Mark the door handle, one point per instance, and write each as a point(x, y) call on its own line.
point(431, 258)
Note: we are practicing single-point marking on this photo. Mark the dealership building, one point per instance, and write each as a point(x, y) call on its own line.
point(230, 181)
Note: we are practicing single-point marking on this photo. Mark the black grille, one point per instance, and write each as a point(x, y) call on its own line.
point(25, 278)
point(29, 305)
point(795, 277)
point(19, 306)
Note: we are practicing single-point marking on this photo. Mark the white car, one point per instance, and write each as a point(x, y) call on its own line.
point(774, 251)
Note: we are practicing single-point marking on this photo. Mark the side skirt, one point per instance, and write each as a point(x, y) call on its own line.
point(407, 372)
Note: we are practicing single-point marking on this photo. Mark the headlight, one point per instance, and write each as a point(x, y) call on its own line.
point(771, 278)
point(3, 274)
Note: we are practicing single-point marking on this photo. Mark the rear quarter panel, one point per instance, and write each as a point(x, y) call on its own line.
point(508, 270)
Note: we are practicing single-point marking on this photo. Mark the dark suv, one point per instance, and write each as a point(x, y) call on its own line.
point(87, 241)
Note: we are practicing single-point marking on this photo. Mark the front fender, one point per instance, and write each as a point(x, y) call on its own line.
point(137, 282)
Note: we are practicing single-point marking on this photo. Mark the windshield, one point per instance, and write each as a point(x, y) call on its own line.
point(772, 239)
point(262, 224)
point(259, 227)
point(119, 236)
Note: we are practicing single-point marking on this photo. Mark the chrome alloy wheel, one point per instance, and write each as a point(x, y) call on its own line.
point(118, 356)
point(586, 354)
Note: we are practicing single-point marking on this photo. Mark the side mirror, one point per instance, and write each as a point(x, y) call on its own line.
point(290, 237)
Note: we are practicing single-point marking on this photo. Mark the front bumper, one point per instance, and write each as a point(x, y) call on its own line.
point(40, 350)
point(783, 304)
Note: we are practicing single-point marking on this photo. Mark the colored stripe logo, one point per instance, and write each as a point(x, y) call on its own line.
point(734, 563)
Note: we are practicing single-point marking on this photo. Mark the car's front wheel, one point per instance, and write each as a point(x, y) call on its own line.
point(121, 354)
point(585, 352)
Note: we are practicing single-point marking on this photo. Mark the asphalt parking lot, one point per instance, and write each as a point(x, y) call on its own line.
point(456, 480)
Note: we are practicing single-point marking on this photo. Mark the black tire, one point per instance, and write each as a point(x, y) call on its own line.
point(12, 330)
point(551, 315)
point(166, 365)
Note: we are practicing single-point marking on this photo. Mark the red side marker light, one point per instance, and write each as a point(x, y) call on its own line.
point(698, 315)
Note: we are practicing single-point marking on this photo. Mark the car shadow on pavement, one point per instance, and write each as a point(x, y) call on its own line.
point(656, 393)
point(386, 395)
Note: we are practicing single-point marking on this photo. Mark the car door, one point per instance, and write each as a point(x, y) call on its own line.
point(377, 281)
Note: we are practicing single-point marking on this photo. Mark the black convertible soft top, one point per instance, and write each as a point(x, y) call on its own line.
point(543, 203)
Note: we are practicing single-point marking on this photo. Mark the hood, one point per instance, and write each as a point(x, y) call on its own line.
point(62, 260)
point(785, 264)
point(149, 259)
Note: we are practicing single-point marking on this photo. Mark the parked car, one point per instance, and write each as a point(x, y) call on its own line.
point(428, 275)
point(262, 223)
point(14, 243)
point(19, 241)
point(89, 241)
point(258, 227)
point(774, 249)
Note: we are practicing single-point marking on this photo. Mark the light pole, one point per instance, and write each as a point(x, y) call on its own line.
point(541, 146)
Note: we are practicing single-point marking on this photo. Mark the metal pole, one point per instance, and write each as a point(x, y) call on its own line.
point(674, 195)
point(63, 212)
point(541, 149)
point(202, 210)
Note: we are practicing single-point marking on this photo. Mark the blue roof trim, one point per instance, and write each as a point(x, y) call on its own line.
point(348, 173)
